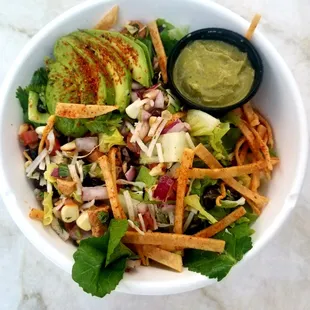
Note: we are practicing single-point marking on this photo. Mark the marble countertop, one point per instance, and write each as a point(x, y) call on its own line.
point(277, 278)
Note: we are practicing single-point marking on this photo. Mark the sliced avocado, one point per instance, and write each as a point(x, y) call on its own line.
point(62, 87)
point(148, 58)
point(108, 59)
point(99, 75)
point(33, 114)
point(83, 74)
point(131, 53)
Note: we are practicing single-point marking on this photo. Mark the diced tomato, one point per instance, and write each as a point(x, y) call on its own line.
point(29, 137)
point(148, 221)
point(56, 147)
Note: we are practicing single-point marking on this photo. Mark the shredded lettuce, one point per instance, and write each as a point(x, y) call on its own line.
point(48, 209)
point(193, 202)
point(145, 177)
point(201, 123)
point(107, 141)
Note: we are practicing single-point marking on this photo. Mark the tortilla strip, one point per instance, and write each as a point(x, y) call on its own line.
point(186, 164)
point(243, 153)
point(172, 260)
point(255, 181)
point(262, 130)
point(212, 162)
point(159, 49)
point(177, 240)
point(264, 148)
point(222, 196)
point(112, 160)
point(117, 209)
point(238, 146)
point(49, 126)
point(250, 114)
point(109, 19)
point(139, 250)
point(76, 110)
point(222, 224)
point(252, 27)
point(230, 172)
point(269, 130)
point(36, 214)
point(94, 156)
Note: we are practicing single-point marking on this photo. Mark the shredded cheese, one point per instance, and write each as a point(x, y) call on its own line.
point(154, 126)
point(33, 166)
point(129, 204)
point(188, 221)
point(160, 152)
point(142, 146)
point(132, 225)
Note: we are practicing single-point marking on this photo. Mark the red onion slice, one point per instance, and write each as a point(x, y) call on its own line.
point(163, 188)
point(96, 192)
point(86, 144)
point(160, 101)
point(131, 173)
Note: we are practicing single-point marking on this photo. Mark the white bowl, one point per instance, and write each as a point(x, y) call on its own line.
point(278, 99)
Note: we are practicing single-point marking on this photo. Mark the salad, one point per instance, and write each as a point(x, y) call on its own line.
point(129, 174)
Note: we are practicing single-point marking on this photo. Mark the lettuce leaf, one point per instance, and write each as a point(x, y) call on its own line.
point(145, 177)
point(100, 262)
point(106, 141)
point(213, 265)
point(194, 202)
point(106, 124)
point(199, 186)
point(169, 34)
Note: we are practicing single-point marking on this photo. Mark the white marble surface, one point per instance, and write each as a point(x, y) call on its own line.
point(278, 278)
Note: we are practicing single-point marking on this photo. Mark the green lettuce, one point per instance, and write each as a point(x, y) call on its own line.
point(193, 201)
point(107, 141)
point(106, 124)
point(230, 204)
point(145, 177)
point(169, 34)
point(199, 186)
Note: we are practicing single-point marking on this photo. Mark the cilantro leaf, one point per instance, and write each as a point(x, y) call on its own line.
point(100, 262)
point(213, 265)
point(105, 123)
point(103, 217)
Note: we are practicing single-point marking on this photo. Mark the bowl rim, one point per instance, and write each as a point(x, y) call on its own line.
point(151, 288)
point(224, 35)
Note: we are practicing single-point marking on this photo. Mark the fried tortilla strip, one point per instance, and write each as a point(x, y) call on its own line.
point(159, 49)
point(222, 224)
point(139, 250)
point(212, 162)
point(171, 260)
point(76, 110)
point(255, 181)
point(263, 147)
point(230, 172)
point(250, 114)
point(97, 228)
point(112, 160)
point(186, 164)
point(262, 130)
point(177, 240)
point(252, 27)
point(36, 214)
point(244, 152)
point(117, 209)
point(222, 196)
point(94, 156)
point(109, 19)
point(269, 130)
point(238, 146)
point(49, 126)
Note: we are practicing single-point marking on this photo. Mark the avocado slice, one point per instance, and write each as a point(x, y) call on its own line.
point(132, 54)
point(108, 59)
point(62, 87)
point(99, 75)
point(33, 114)
point(148, 58)
point(84, 76)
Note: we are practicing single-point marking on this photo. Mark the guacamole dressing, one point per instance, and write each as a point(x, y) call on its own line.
point(213, 73)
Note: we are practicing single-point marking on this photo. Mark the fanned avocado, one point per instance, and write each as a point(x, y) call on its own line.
point(84, 74)
point(148, 58)
point(62, 87)
point(100, 78)
point(33, 114)
point(132, 54)
point(109, 60)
